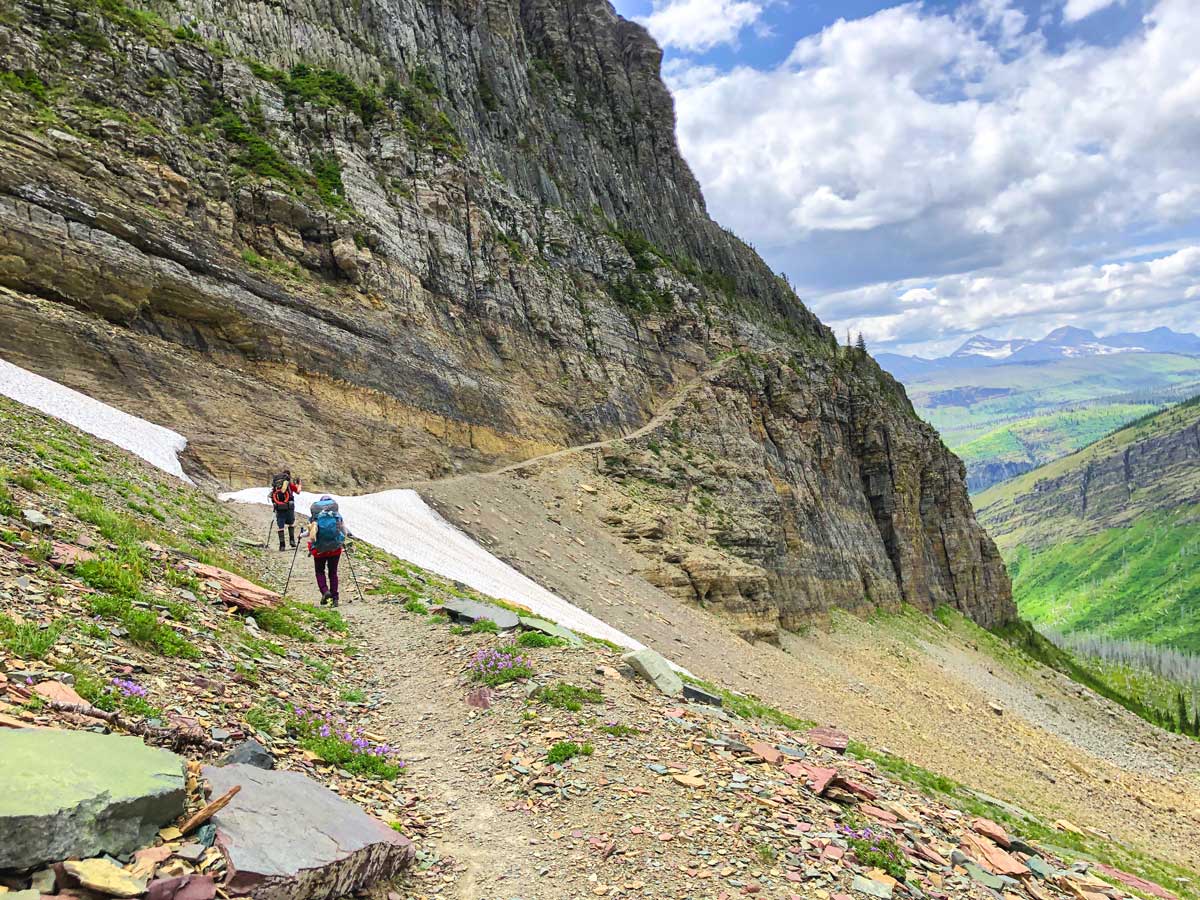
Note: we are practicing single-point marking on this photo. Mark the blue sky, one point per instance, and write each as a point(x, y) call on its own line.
point(927, 170)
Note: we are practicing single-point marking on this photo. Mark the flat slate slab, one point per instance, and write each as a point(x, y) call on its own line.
point(285, 837)
point(462, 610)
point(699, 695)
point(79, 794)
point(545, 627)
point(655, 669)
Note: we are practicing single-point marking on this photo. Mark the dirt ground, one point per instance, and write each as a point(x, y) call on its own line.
point(925, 693)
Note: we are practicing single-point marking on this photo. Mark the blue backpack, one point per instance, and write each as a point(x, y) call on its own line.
point(329, 533)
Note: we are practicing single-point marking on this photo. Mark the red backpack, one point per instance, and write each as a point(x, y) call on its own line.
point(281, 489)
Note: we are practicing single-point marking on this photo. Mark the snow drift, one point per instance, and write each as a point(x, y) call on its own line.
point(404, 525)
point(156, 445)
point(398, 521)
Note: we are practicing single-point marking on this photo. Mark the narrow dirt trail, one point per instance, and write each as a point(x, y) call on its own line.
point(421, 711)
point(664, 413)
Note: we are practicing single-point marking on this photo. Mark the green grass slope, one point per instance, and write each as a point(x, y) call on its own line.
point(1140, 582)
point(1107, 540)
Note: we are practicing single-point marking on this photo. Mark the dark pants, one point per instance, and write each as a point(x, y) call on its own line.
point(330, 563)
point(286, 515)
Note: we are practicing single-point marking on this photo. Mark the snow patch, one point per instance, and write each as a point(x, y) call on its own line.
point(403, 524)
point(156, 445)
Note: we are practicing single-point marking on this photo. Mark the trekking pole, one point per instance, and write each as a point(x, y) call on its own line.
point(270, 528)
point(292, 566)
point(354, 575)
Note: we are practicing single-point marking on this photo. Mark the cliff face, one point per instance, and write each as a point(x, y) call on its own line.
point(413, 237)
point(785, 486)
point(1148, 467)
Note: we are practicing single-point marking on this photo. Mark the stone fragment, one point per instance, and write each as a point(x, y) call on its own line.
point(688, 779)
point(36, 520)
point(76, 794)
point(59, 693)
point(829, 738)
point(182, 887)
point(699, 695)
point(249, 753)
point(979, 876)
point(1133, 881)
point(462, 610)
point(43, 881)
point(65, 555)
point(146, 861)
point(766, 753)
point(871, 888)
point(655, 669)
point(546, 627)
point(991, 857)
point(992, 831)
point(105, 877)
point(274, 851)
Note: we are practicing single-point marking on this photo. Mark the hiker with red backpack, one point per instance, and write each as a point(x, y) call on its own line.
point(283, 498)
point(327, 535)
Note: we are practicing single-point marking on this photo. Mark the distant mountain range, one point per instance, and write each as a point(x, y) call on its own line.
point(1006, 406)
point(1062, 343)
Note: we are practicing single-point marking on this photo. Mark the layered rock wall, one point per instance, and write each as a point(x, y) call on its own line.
point(396, 239)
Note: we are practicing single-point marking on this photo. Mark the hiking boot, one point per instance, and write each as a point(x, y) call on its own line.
point(335, 601)
point(324, 598)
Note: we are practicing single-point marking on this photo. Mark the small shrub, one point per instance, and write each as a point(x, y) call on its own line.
point(282, 621)
point(537, 639)
point(565, 750)
point(875, 850)
point(353, 695)
point(499, 665)
point(335, 742)
point(417, 607)
point(439, 619)
point(30, 640)
point(616, 730)
point(568, 696)
point(484, 626)
point(263, 719)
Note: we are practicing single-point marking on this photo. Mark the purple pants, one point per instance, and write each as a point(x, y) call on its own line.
point(329, 588)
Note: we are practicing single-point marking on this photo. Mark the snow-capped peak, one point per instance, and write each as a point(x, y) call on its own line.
point(979, 345)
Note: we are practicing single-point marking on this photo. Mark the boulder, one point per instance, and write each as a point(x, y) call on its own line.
point(79, 794)
point(655, 669)
point(460, 609)
point(36, 520)
point(285, 837)
point(545, 627)
point(249, 753)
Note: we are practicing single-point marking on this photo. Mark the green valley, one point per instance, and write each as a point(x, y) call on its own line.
point(1003, 420)
point(1103, 546)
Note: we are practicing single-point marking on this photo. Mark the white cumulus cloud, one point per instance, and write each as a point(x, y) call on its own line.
point(914, 146)
point(696, 25)
point(1081, 9)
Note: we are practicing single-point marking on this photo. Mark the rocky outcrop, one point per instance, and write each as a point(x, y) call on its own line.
point(415, 238)
point(982, 475)
point(796, 485)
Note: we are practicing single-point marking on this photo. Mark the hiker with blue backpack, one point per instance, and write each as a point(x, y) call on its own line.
point(327, 535)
